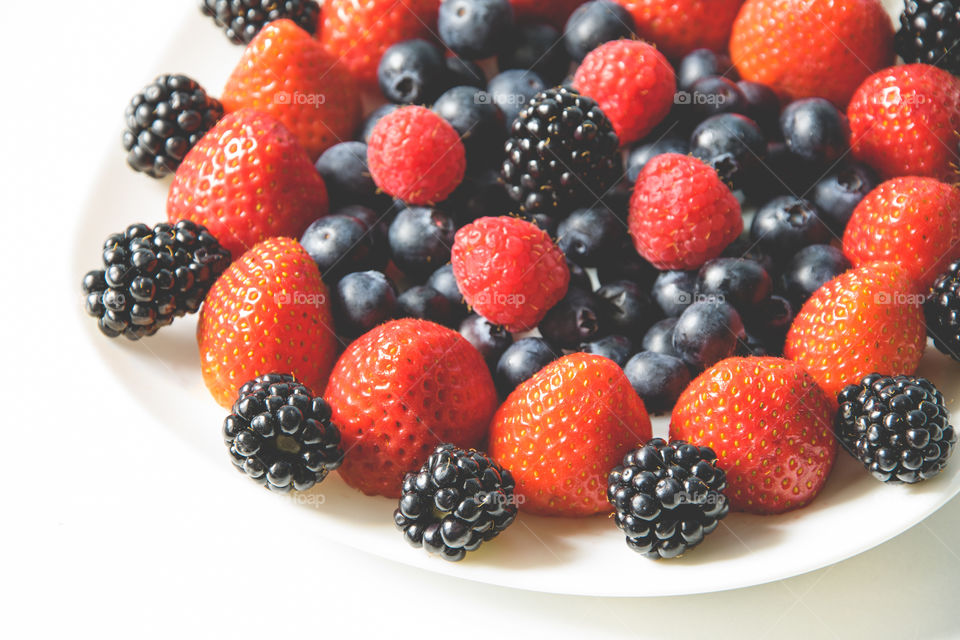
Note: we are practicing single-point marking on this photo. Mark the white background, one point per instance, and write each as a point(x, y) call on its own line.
point(186, 556)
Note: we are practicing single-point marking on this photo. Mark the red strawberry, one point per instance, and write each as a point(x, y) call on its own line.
point(914, 222)
point(357, 32)
point(554, 12)
point(770, 426)
point(286, 73)
point(867, 320)
point(267, 313)
point(246, 180)
point(681, 213)
point(509, 271)
point(811, 48)
point(904, 120)
point(400, 390)
point(633, 84)
point(680, 26)
point(562, 431)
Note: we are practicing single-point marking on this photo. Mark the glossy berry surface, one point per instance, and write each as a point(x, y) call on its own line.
point(521, 360)
point(659, 337)
point(732, 144)
point(674, 291)
point(707, 332)
point(475, 29)
point(590, 236)
point(810, 269)
point(658, 378)
point(420, 239)
point(787, 224)
point(929, 33)
point(363, 300)
point(480, 123)
point(703, 63)
point(513, 89)
point(815, 130)
point(838, 193)
point(426, 303)
point(578, 317)
point(594, 23)
point(489, 339)
point(641, 154)
point(344, 170)
point(629, 309)
point(412, 72)
point(943, 311)
point(615, 347)
point(740, 283)
point(241, 20)
point(339, 245)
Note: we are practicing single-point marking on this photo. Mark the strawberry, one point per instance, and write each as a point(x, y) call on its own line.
point(357, 32)
point(286, 73)
point(246, 180)
point(912, 221)
point(811, 48)
point(680, 26)
point(903, 121)
point(770, 426)
point(267, 313)
point(866, 320)
point(561, 432)
point(400, 390)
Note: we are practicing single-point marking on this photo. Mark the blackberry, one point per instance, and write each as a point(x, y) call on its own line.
point(929, 33)
point(458, 500)
point(943, 311)
point(562, 153)
point(667, 497)
point(242, 20)
point(151, 276)
point(896, 426)
point(164, 120)
point(280, 434)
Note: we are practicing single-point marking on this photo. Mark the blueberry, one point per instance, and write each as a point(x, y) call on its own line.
point(443, 281)
point(480, 194)
point(703, 63)
point(815, 130)
point(810, 269)
point(376, 225)
point(629, 310)
point(594, 23)
point(657, 378)
point(783, 172)
point(464, 73)
point(347, 178)
point(427, 303)
point(420, 240)
point(628, 265)
point(577, 318)
point(375, 116)
point(641, 154)
point(715, 94)
point(615, 347)
point(743, 248)
point(785, 225)
point(706, 333)
point(363, 300)
point(659, 337)
point(475, 29)
point(412, 72)
point(768, 321)
point(732, 144)
point(579, 276)
point(544, 221)
point(339, 245)
point(739, 282)
point(537, 47)
point(590, 236)
point(489, 339)
point(763, 107)
point(512, 89)
point(480, 123)
point(839, 193)
point(674, 291)
point(521, 361)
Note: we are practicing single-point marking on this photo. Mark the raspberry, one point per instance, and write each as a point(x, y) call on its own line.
point(681, 213)
point(680, 26)
point(509, 270)
point(415, 155)
point(633, 84)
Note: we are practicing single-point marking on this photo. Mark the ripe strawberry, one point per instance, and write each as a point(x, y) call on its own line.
point(415, 155)
point(400, 390)
point(562, 431)
point(680, 26)
point(286, 73)
point(554, 12)
point(904, 120)
point(867, 320)
point(246, 180)
point(811, 48)
point(267, 313)
point(914, 222)
point(509, 271)
point(770, 426)
point(633, 84)
point(357, 32)
point(681, 213)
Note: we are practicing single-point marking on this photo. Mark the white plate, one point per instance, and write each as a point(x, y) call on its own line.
point(852, 514)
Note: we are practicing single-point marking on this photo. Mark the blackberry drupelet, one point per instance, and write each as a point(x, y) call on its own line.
point(562, 153)
point(151, 276)
point(898, 427)
point(164, 121)
point(459, 500)
point(667, 497)
point(943, 311)
point(280, 434)
point(242, 20)
point(929, 33)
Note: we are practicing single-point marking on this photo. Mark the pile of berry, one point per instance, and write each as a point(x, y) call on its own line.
point(736, 212)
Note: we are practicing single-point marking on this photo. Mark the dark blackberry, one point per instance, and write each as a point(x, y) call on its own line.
point(667, 497)
point(164, 120)
point(562, 153)
point(242, 20)
point(151, 276)
point(898, 427)
point(280, 434)
point(943, 311)
point(929, 33)
point(458, 500)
